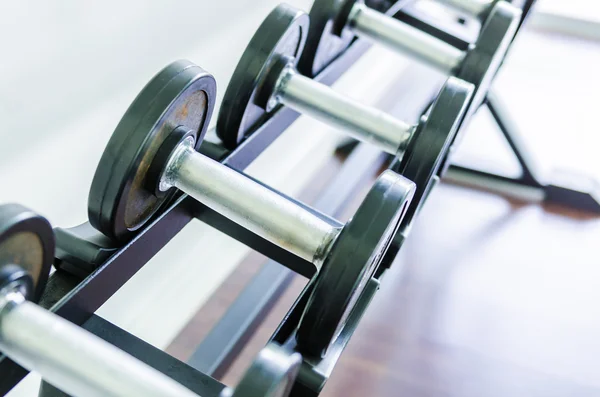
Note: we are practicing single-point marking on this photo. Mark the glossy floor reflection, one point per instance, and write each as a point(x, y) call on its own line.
point(488, 298)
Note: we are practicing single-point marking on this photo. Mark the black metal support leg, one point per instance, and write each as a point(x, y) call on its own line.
point(571, 190)
point(514, 137)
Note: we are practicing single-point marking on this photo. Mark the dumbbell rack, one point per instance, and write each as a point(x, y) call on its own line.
point(529, 184)
point(84, 253)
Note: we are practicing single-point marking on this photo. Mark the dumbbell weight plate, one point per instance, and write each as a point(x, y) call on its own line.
point(436, 131)
point(120, 200)
point(282, 34)
point(481, 65)
point(351, 262)
point(27, 241)
point(328, 19)
point(483, 16)
point(327, 38)
point(272, 374)
point(325, 41)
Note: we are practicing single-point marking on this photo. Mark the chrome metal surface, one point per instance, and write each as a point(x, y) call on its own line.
point(473, 8)
point(12, 294)
point(72, 359)
point(362, 122)
point(404, 38)
point(249, 204)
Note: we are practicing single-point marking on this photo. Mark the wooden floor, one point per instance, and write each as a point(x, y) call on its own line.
point(487, 298)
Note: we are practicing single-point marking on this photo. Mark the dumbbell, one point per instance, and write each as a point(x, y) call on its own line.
point(153, 153)
point(334, 23)
point(266, 77)
point(76, 361)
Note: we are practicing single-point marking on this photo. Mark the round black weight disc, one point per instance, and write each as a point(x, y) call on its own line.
point(483, 16)
point(27, 241)
point(182, 94)
point(481, 64)
point(325, 39)
point(282, 34)
point(272, 374)
point(436, 131)
point(526, 6)
point(353, 259)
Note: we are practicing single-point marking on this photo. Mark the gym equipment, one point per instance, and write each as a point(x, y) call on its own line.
point(158, 153)
point(272, 374)
point(62, 353)
point(76, 361)
point(147, 117)
point(567, 188)
point(266, 70)
point(334, 23)
point(266, 78)
point(108, 264)
point(478, 9)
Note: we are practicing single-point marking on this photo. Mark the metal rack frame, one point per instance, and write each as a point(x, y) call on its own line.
point(105, 267)
point(108, 267)
point(529, 185)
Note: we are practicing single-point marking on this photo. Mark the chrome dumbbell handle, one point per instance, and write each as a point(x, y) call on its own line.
point(402, 37)
point(249, 204)
point(363, 123)
point(76, 361)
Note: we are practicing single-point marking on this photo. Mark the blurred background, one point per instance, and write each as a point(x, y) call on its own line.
point(490, 296)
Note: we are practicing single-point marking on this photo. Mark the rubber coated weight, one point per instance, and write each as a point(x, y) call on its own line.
point(280, 84)
point(526, 7)
point(436, 131)
point(481, 65)
point(482, 62)
point(327, 38)
point(352, 261)
point(325, 41)
point(282, 34)
point(167, 157)
point(272, 374)
point(486, 14)
point(26, 249)
point(121, 198)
